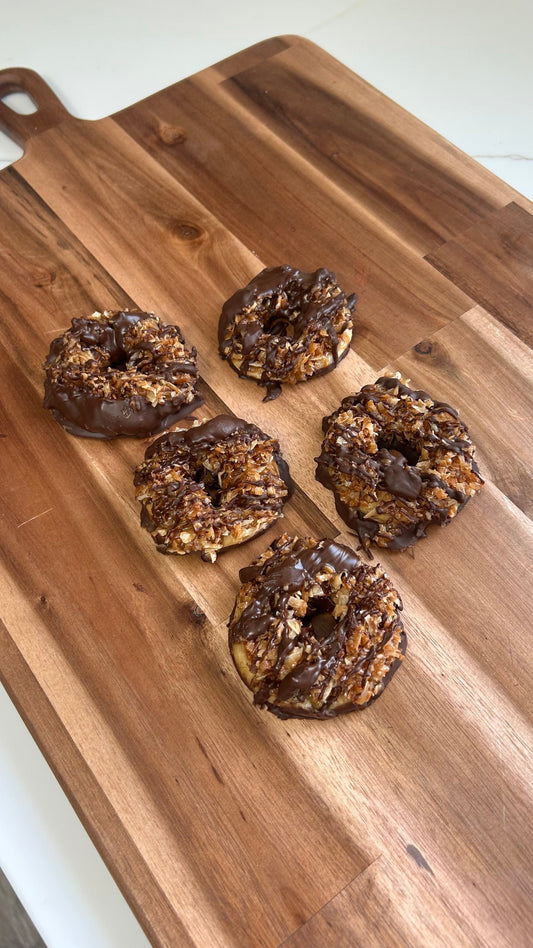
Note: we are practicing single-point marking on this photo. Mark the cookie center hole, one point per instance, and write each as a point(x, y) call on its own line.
point(402, 446)
point(319, 616)
point(280, 321)
point(119, 359)
point(278, 324)
point(211, 485)
point(103, 337)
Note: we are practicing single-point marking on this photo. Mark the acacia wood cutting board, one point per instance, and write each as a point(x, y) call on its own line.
point(408, 824)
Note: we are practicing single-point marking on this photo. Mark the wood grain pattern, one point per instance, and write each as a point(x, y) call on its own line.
point(492, 262)
point(407, 825)
point(487, 373)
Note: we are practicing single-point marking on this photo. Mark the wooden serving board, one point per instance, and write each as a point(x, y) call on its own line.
point(408, 824)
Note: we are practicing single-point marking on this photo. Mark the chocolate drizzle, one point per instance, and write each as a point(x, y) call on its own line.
point(84, 412)
point(400, 466)
point(213, 431)
point(301, 679)
point(295, 569)
point(272, 320)
point(398, 477)
point(205, 488)
point(109, 337)
point(317, 684)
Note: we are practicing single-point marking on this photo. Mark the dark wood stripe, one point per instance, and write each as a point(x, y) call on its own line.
point(378, 156)
point(252, 183)
point(493, 262)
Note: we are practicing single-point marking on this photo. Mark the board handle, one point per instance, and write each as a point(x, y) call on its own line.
point(50, 110)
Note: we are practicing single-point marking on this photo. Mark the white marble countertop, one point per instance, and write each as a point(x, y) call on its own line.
point(464, 67)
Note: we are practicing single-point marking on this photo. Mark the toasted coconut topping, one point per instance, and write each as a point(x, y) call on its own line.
point(315, 632)
point(286, 326)
point(116, 373)
point(397, 461)
point(210, 487)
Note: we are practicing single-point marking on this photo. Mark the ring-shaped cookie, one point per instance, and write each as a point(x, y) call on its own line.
point(396, 461)
point(286, 326)
point(315, 632)
point(120, 373)
point(211, 487)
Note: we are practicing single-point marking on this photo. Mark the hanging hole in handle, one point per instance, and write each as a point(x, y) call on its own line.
point(20, 102)
point(45, 112)
point(9, 151)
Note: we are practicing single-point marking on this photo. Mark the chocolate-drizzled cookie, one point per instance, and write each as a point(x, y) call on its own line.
point(315, 632)
point(396, 461)
point(210, 487)
point(120, 373)
point(286, 326)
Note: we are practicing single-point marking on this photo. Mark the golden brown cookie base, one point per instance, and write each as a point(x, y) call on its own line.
point(211, 487)
point(120, 373)
point(397, 461)
point(286, 326)
point(315, 632)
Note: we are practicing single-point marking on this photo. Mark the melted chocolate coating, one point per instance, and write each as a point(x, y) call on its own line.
point(300, 567)
point(91, 416)
point(214, 431)
point(286, 575)
point(274, 281)
point(111, 338)
point(219, 429)
point(399, 478)
point(396, 474)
